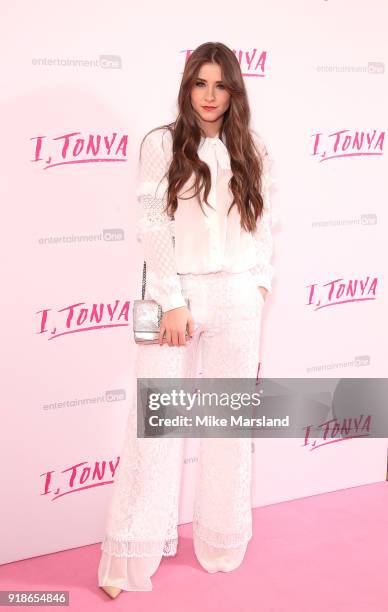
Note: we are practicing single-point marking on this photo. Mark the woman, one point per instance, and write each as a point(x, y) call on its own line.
point(214, 249)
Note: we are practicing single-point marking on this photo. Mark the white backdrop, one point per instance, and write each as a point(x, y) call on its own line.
point(85, 82)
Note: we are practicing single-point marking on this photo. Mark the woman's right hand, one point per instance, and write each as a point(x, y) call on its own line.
point(174, 323)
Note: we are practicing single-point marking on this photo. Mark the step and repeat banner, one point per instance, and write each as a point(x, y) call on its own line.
point(81, 85)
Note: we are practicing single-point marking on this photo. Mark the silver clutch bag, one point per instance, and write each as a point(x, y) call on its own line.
point(147, 316)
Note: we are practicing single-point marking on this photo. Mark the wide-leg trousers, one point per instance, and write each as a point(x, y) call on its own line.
point(142, 515)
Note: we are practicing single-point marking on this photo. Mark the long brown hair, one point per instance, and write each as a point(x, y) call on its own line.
point(245, 157)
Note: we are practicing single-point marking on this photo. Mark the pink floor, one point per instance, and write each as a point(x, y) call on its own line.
point(323, 553)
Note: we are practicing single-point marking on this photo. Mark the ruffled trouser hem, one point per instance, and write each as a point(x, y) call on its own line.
point(133, 573)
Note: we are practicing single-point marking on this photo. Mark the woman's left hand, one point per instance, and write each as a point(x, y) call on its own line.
point(263, 291)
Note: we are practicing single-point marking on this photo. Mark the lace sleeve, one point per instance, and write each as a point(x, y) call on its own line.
point(154, 227)
point(263, 271)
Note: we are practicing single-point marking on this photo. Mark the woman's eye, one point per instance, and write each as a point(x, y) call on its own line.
point(201, 83)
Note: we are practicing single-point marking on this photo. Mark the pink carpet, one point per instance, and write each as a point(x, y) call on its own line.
point(323, 553)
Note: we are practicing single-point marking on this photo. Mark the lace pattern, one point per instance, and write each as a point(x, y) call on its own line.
point(127, 548)
point(142, 518)
point(155, 229)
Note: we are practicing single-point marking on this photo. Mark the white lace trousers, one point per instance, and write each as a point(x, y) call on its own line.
point(143, 512)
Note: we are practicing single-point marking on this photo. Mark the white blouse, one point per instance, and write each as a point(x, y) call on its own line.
point(192, 242)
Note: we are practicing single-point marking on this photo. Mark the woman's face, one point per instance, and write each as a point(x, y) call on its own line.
point(209, 91)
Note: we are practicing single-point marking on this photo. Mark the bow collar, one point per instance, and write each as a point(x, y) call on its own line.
point(212, 148)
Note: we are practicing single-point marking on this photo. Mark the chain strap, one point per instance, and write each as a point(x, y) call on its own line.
point(143, 281)
point(143, 284)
